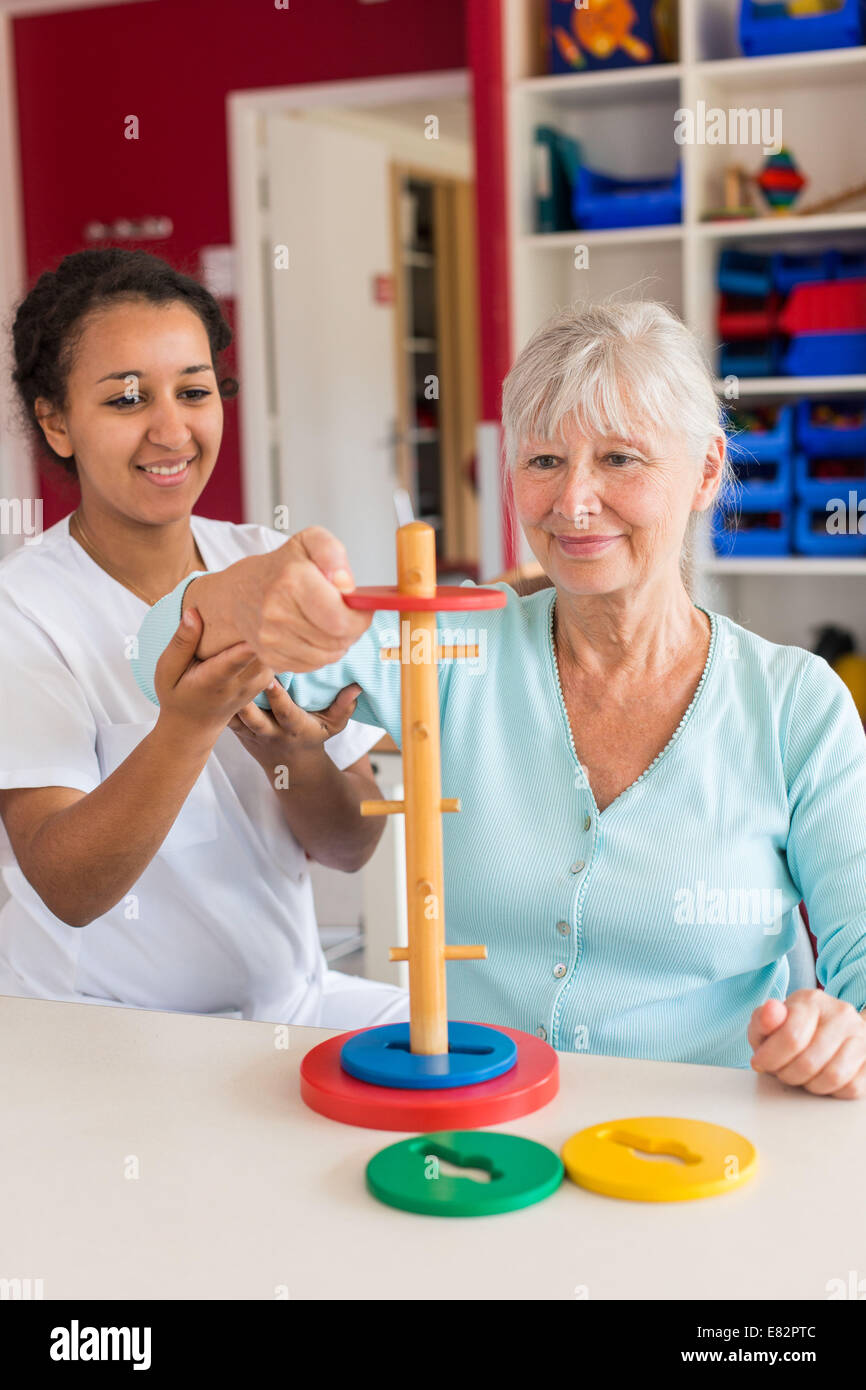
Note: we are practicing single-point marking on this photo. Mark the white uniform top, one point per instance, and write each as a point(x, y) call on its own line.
point(222, 921)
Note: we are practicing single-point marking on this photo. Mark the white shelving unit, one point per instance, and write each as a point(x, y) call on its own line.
point(625, 122)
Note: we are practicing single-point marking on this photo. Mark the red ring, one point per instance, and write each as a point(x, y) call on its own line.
point(530, 1084)
point(449, 598)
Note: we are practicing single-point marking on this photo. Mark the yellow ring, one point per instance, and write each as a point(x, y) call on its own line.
point(704, 1159)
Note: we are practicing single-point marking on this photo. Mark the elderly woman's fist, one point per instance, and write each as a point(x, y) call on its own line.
point(287, 604)
point(811, 1039)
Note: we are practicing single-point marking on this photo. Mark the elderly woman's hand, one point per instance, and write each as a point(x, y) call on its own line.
point(811, 1039)
point(288, 734)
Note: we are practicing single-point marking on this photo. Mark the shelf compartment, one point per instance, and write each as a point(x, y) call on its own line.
point(766, 29)
point(752, 533)
point(602, 200)
point(828, 439)
point(762, 485)
point(811, 536)
point(819, 479)
point(749, 357)
point(745, 272)
point(767, 433)
point(748, 316)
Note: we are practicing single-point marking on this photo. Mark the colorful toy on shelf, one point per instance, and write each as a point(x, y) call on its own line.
point(601, 200)
point(737, 183)
point(428, 1074)
point(780, 181)
point(800, 26)
point(611, 33)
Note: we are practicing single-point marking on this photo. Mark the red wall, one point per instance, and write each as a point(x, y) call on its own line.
point(172, 63)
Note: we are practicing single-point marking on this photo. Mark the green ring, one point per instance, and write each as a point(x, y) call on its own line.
point(405, 1174)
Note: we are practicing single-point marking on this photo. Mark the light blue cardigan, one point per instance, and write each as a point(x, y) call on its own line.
point(654, 928)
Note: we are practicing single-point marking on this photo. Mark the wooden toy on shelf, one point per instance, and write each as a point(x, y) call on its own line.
point(429, 1073)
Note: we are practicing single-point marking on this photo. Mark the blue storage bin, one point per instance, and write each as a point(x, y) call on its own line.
point(603, 201)
point(751, 539)
point(769, 444)
point(791, 269)
point(749, 357)
point(745, 272)
point(825, 354)
point(847, 265)
point(817, 490)
point(769, 28)
point(822, 542)
point(762, 485)
point(833, 441)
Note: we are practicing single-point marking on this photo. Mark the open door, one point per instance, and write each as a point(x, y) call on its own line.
point(334, 427)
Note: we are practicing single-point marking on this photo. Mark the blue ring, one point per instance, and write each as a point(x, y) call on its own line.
point(381, 1056)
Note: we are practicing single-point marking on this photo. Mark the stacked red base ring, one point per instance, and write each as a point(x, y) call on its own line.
point(530, 1084)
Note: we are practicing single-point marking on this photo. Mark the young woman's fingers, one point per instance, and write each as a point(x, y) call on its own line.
point(253, 719)
point(328, 554)
point(180, 652)
point(289, 716)
point(791, 1037)
point(841, 1068)
point(339, 712)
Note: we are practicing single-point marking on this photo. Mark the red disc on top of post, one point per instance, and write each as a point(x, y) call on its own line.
point(530, 1084)
point(449, 598)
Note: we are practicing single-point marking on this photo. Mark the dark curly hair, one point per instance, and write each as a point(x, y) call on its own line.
point(50, 321)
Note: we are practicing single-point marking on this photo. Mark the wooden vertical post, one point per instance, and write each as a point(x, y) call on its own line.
point(422, 779)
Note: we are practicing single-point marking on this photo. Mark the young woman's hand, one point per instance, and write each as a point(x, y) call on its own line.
point(201, 697)
point(287, 605)
point(813, 1040)
point(288, 734)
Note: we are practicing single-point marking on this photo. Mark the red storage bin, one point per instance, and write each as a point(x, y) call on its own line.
point(826, 306)
point(744, 316)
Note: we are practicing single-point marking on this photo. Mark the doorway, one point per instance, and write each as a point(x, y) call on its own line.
point(354, 226)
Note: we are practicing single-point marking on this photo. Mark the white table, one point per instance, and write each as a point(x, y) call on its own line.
point(243, 1191)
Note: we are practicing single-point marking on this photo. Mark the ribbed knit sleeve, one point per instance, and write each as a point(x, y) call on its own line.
point(825, 772)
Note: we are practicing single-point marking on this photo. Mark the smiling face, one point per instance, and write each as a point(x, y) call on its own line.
point(144, 416)
point(602, 514)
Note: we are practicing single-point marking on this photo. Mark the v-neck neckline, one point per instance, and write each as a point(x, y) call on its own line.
point(110, 577)
point(554, 664)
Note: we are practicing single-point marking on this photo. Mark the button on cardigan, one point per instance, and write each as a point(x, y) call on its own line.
point(655, 927)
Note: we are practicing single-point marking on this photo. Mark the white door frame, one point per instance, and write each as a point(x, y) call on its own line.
point(17, 475)
point(257, 401)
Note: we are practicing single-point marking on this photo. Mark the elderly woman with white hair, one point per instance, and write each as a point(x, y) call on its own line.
point(648, 789)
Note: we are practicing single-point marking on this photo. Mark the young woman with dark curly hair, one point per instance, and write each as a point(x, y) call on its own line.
point(158, 862)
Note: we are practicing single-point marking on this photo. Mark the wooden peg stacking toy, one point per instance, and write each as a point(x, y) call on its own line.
point(429, 1073)
point(423, 803)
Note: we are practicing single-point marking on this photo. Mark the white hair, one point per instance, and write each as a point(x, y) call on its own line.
point(614, 368)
